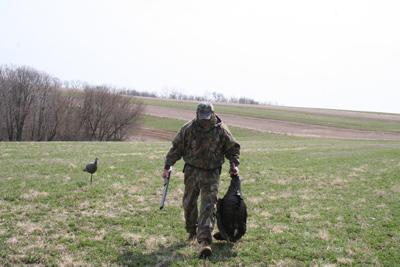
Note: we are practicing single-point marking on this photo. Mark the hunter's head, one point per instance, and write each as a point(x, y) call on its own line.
point(205, 112)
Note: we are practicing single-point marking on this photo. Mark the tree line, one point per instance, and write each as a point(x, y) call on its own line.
point(33, 107)
point(173, 93)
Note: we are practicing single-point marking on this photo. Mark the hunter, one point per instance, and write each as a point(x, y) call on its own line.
point(203, 143)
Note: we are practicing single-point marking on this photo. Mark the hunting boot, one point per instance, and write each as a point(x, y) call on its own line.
point(205, 250)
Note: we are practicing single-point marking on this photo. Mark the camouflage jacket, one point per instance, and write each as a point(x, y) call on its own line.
point(204, 148)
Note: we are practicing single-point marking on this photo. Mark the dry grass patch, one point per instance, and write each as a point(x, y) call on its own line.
point(119, 196)
point(278, 229)
point(29, 227)
point(146, 209)
point(255, 200)
point(12, 240)
point(100, 235)
point(323, 234)
point(139, 199)
point(380, 193)
point(338, 182)
point(248, 181)
point(358, 203)
point(84, 205)
point(154, 156)
point(117, 186)
point(266, 214)
point(133, 237)
point(345, 261)
point(135, 190)
point(69, 261)
point(280, 182)
point(286, 195)
point(153, 241)
point(33, 194)
point(396, 188)
point(361, 169)
point(283, 263)
point(272, 198)
point(295, 215)
point(382, 206)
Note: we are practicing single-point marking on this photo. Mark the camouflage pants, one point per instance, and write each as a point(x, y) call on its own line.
point(204, 182)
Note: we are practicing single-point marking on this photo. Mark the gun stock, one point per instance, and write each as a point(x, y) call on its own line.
point(165, 189)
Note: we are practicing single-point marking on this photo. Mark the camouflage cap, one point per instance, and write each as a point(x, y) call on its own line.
point(204, 110)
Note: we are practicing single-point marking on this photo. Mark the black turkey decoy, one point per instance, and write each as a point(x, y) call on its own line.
point(231, 213)
point(91, 168)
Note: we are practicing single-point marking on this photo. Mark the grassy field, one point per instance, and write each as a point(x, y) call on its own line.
point(311, 202)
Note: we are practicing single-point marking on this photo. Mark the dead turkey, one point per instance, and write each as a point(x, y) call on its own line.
point(231, 213)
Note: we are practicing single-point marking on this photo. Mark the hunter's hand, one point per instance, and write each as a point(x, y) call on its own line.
point(234, 170)
point(165, 176)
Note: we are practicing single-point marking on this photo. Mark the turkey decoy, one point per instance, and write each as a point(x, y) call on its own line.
point(91, 168)
point(231, 213)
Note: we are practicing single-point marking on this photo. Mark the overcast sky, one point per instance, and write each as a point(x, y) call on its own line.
point(339, 54)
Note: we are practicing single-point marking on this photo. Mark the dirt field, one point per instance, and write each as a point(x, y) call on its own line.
point(277, 126)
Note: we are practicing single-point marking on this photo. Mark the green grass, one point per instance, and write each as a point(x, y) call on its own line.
point(311, 202)
point(302, 117)
point(163, 123)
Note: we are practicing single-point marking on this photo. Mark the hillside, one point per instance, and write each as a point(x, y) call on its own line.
point(281, 120)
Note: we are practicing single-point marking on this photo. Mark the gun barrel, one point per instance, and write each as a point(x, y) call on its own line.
point(164, 195)
point(165, 190)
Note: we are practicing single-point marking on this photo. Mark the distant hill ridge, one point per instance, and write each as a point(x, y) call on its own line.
point(288, 120)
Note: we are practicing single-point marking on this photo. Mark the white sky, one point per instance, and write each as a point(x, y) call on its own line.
point(338, 54)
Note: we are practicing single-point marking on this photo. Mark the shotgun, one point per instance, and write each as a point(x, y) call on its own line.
point(165, 189)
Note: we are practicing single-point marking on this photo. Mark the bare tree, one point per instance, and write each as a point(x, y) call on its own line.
point(134, 92)
point(18, 93)
point(31, 104)
point(173, 93)
point(76, 84)
point(245, 100)
point(68, 109)
point(3, 109)
point(108, 116)
point(46, 111)
point(218, 97)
